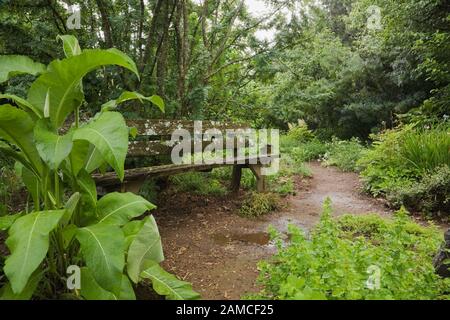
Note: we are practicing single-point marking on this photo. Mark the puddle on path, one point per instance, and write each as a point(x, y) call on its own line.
point(259, 238)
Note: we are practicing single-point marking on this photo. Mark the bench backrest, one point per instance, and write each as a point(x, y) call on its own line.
point(154, 136)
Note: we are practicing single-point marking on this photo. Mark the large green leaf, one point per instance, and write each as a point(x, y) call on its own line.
point(130, 230)
point(63, 81)
point(168, 285)
point(102, 247)
point(7, 150)
point(16, 126)
point(28, 243)
point(88, 187)
point(52, 147)
point(6, 292)
point(109, 134)
point(70, 45)
point(22, 103)
point(14, 65)
point(78, 156)
point(94, 159)
point(8, 220)
point(145, 247)
point(30, 181)
point(119, 208)
point(70, 207)
point(128, 95)
point(90, 290)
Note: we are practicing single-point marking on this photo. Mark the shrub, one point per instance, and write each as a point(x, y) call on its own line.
point(283, 186)
point(382, 166)
point(199, 183)
point(431, 195)
point(408, 166)
point(426, 150)
point(299, 132)
point(334, 263)
point(258, 204)
point(344, 154)
point(311, 150)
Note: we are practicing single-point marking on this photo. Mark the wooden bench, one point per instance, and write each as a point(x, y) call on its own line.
point(153, 140)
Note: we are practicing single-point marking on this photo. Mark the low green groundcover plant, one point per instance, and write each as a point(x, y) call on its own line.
point(342, 256)
point(258, 204)
point(66, 227)
point(199, 183)
point(344, 154)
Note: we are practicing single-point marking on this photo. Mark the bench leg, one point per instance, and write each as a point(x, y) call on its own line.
point(236, 178)
point(261, 184)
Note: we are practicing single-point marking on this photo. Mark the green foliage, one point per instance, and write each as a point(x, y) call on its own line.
point(67, 224)
point(404, 165)
point(344, 154)
point(308, 151)
point(258, 204)
point(248, 180)
point(430, 195)
point(339, 258)
point(149, 190)
point(199, 183)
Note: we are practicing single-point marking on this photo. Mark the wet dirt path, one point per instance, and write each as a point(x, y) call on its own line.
point(209, 245)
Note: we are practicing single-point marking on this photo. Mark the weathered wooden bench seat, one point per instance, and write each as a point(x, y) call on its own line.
point(154, 139)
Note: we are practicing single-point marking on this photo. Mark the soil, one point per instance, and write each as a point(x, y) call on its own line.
point(208, 244)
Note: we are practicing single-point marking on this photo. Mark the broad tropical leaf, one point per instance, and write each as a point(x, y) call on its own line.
point(130, 230)
point(102, 247)
point(70, 45)
point(90, 290)
point(109, 134)
point(63, 81)
point(70, 207)
point(22, 103)
point(128, 95)
point(88, 188)
point(168, 285)
point(6, 292)
point(68, 234)
point(78, 156)
point(94, 159)
point(52, 147)
point(16, 126)
point(8, 220)
point(119, 208)
point(30, 181)
point(14, 65)
point(28, 243)
point(18, 156)
point(145, 247)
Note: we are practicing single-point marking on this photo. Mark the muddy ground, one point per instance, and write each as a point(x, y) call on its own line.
point(208, 244)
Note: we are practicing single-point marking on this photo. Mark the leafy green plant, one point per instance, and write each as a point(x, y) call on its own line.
point(258, 204)
point(430, 195)
point(335, 262)
point(408, 166)
point(344, 154)
point(248, 180)
point(426, 150)
point(199, 183)
point(67, 224)
point(311, 150)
